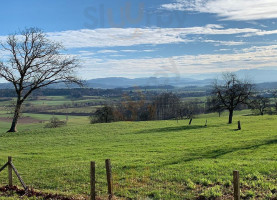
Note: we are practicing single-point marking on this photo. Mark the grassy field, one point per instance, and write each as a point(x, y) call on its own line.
point(56, 104)
point(151, 160)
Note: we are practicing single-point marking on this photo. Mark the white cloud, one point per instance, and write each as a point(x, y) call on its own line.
point(86, 53)
point(112, 37)
point(129, 51)
point(239, 10)
point(260, 33)
point(224, 43)
point(148, 50)
point(223, 50)
point(3, 38)
point(248, 58)
point(117, 55)
point(107, 51)
point(116, 37)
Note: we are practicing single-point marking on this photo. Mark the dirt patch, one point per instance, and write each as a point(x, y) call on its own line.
point(22, 120)
point(8, 191)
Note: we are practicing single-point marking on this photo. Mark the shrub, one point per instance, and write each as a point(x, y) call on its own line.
point(54, 123)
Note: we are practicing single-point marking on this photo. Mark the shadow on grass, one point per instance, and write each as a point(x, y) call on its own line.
point(221, 152)
point(172, 129)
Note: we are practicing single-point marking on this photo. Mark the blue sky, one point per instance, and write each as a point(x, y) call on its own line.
point(143, 38)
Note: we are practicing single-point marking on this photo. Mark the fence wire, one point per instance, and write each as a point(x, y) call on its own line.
point(130, 181)
point(74, 179)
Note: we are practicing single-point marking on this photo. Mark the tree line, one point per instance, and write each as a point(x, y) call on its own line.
point(163, 107)
point(228, 94)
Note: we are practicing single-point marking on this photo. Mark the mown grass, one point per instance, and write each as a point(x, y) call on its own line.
point(155, 160)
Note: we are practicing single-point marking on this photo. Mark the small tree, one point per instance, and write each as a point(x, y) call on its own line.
point(34, 62)
point(260, 103)
point(214, 104)
point(103, 115)
point(55, 122)
point(167, 106)
point(232, 92)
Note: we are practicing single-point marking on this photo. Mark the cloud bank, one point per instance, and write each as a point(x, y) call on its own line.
point(238, 10)
point(113, 37)
point(247, 58)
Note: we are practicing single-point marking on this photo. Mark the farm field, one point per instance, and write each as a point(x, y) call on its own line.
point(151, 160)
point(64, 105)
point(56, 105)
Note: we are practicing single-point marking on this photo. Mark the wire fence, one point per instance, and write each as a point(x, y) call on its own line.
point(75, 180)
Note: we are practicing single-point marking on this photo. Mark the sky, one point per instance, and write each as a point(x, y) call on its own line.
point(161, 38)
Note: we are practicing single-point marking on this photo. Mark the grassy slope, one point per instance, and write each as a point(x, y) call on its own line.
point(56, 102)
point(158, 159)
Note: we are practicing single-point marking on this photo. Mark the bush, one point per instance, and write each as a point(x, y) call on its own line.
point(55, 123)
point(102, 115)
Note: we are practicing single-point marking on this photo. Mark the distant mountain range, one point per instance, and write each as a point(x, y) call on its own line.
point(257, 76)
point(118, 82)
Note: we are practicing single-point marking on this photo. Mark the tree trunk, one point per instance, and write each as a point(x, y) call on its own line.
point(231, 116)
point(15, 117)
point(261, 112)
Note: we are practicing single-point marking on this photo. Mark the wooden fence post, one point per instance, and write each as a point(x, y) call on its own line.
point(236, 185)
point(239, 125)
point(10, 172)
point(109, 178)
point(92, 181)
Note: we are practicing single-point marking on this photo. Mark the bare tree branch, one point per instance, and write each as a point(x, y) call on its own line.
point(35, 62)
point(232, 92)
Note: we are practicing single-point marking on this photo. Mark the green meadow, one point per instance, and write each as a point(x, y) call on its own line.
point(150, 160)
point(55, 104)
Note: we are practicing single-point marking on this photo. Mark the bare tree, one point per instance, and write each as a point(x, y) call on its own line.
point(214, 104)
point(167, 106)
point(260, 103)
point(34, 62)
point(232, 92)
